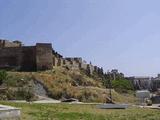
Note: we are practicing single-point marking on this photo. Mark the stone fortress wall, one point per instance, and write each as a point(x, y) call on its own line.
point(13, 55)
point(7, 43)
point(25, 58)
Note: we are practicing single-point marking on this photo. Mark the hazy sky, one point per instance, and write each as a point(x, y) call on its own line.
point(122, 34)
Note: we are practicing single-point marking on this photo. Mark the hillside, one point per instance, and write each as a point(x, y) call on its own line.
point(59, 83)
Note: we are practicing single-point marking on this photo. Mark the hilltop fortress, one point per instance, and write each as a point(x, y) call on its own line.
point(14, 55)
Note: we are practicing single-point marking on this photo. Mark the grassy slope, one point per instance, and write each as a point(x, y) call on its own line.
point(63, 82)
point(81, 112)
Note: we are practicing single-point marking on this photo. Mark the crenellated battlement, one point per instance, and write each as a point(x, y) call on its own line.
point(7, 43)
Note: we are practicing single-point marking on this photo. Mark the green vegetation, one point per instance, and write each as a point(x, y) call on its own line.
point(3, 76)
point(65, 83)
point(122, 85)
point(118, 82)
point(81, 112)
point(74, 83)
point(17, 86)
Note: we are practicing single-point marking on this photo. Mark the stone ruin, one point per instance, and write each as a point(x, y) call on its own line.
point(145, 82)
point(25, 58)
point(14, 55)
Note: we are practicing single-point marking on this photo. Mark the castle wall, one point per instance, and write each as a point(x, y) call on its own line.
point(39, 57)
point(55, 61)
point(28, 58)
point(74, 63)
point(78, 59)
point(66, 62)
point(83, 65)
point(44, 57)
point(6, 43)
point(60, 62)
point(10, 57)
point(28, 62)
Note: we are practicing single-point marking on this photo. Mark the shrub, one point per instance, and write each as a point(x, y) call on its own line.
point(23, 93)
point(122, 85)
point(3, 76)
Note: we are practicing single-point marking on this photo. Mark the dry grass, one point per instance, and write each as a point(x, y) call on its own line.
point(61, 82)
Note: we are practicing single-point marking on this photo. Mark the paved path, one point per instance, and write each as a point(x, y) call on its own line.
point(9, 113)
point(154, 106)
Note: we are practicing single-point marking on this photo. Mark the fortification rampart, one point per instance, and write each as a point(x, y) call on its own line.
point(39, 57)
point(7, 43)
point(44, 59)
point(10, 57)
point(27, 58)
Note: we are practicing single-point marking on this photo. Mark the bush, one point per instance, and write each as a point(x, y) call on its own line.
point(23, 93)
point(3, 76)
point(122, 85)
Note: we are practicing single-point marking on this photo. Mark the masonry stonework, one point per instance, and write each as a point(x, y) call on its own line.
point(10, 57)
point(25, 58)
point(39, 57)
point(44, 59)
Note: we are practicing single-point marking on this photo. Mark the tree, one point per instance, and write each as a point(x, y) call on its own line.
point(3, 76)
point(122, 85)
point(106, 80)
point(101, 71)
point(88, 71)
